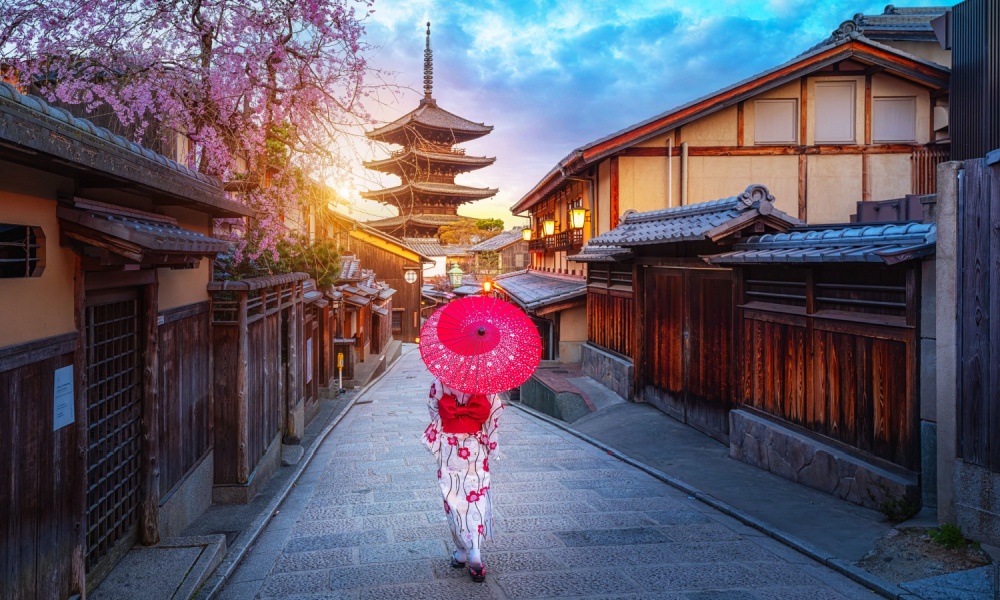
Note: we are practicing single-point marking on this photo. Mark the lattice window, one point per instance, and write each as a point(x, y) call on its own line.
point(22, 251)
point(397, 319)
point(114, 417)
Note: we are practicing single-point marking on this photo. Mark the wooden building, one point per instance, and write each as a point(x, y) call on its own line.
point(394, 263)
point(105, 389)
point(860, 116)
point(501, 254)
point(555, 304)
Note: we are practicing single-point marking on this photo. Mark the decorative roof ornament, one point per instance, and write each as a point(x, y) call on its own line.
point(850, 29)
point(428, 66)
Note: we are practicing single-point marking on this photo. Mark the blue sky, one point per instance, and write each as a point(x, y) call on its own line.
point(553, 75)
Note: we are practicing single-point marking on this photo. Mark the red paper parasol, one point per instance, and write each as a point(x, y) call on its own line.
point(480, 345)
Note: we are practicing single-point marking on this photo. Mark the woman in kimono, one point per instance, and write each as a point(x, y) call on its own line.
point(463, 436)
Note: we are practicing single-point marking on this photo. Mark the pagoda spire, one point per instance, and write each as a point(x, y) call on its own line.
point(428, 66)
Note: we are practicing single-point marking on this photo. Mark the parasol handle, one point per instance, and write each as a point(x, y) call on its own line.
point(482, 331)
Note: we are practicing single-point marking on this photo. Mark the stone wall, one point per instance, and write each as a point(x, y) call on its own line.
point(977, 502)
point(802, 459)
point(613, 372)
point(565, 406)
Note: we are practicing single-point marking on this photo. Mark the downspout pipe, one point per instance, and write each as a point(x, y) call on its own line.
point(684, 173)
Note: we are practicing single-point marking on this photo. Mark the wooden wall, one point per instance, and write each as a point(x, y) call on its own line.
point(833, 350)
point(611, 307)
point(42, 474)
point(391, 268)
point(185, 402)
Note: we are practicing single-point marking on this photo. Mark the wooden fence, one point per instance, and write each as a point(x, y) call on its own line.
point(257, 374)
point(979, 315)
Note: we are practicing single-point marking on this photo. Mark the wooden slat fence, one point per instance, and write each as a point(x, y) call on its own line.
point(185, 410)
point(979, 315)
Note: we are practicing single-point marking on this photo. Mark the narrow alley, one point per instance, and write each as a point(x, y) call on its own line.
point(365, 521)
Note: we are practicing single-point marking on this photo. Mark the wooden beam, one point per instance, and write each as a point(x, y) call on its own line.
point(866, 180)
point(803, 185)
point(614, 193)
point(868, 110)
point(739, 123)
point(149, 469)
point(78, 466)
point(803, 109)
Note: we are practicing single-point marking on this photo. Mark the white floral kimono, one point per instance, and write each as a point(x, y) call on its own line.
point(464, 469)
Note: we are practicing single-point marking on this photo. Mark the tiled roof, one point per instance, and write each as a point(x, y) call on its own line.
point(534, 290)
point(894, 24)
point(885, 244)
point(432, 247)
point(705, 220)
point(499, 242)
point(428, 114)
point(67, 128)
point(350, 268)
point(144, 235)
point(430, 220)
point(467, 290)
point(411, 155)
point(368, 228)
point(431, 188)
point(601, 254)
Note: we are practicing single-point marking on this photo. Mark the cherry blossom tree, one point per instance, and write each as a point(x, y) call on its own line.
point(266, 90)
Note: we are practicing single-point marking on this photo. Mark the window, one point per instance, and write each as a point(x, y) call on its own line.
point(894, 119)
point(520, 260)
point(835, 112)
point(22, 251)
point(397, 319)
point(774, 121)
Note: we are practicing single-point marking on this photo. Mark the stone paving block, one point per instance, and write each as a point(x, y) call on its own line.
point(721, 551)
point(240, 590)
point(432, 590)
point(315, 560)
point(675, 577)
point(326, 526)
point(524, 541)
point(722, 595)
point(678, 517)
point(339, 595)
point(784, 574)
point(603, 556)
point(341, 511)
point(807, 593)
point(552, 523)
point(566, 583)
point(698, 532)
point(285, 584)
point(612, 520)
point(413, 534)
point(503, 497)
point(516, 562)
point(612, 537)
point(394, 521)
point(390, 508)
point(384, 553)
point(367, 576)
point(336, 540)
point(517, 509)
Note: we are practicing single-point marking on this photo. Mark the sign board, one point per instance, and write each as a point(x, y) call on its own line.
point(63, 413)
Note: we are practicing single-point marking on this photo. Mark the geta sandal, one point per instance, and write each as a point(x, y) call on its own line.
point(479, 575)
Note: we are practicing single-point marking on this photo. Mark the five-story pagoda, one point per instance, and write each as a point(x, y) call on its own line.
point(428, 196)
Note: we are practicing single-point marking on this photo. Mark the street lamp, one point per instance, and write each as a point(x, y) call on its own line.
point(455, 276)
point(577, 217)
point(526, 234)
point(549, 227)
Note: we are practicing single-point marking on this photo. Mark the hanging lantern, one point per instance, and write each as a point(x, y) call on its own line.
point(526, 234)
point(577, 217)
point(487, 286)
point(455, 276)
point(549, 227)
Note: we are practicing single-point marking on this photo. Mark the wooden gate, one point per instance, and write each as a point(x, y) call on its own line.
point(688, 346)
point(114, 394)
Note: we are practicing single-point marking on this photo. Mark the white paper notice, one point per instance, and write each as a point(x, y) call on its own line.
point(309, 360)
point(63, 413)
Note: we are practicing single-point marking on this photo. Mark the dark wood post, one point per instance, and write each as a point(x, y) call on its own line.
point(639, 328)
point(77, 480)
point(294, 362)
point(242, 393)
point(149, 530)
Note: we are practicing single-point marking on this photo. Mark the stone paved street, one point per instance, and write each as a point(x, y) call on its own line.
point(365, 522)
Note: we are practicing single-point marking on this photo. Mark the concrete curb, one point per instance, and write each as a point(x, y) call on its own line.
point(876, 584)
point(214, 584)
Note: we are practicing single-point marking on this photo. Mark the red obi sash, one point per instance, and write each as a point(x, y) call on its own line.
point(468, 418)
